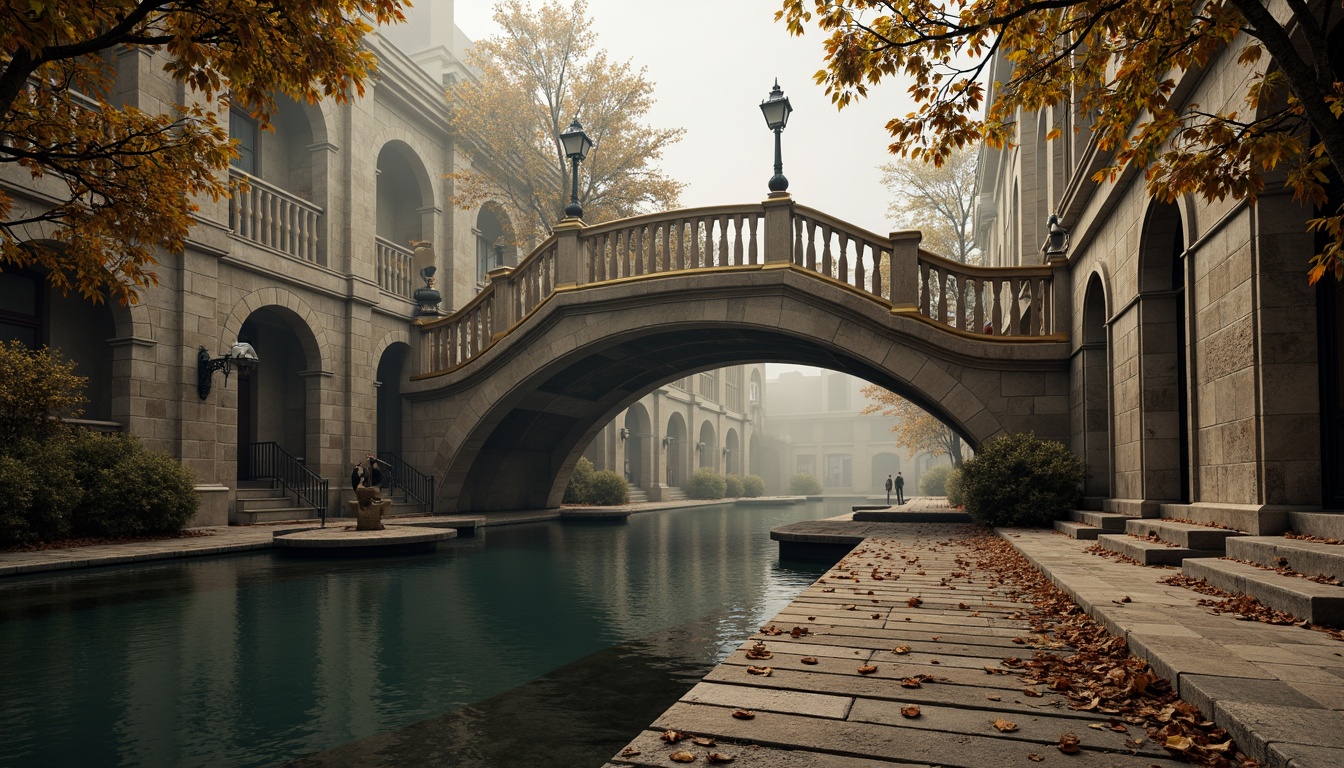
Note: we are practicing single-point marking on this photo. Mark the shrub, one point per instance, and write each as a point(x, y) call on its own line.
point(57, 492)
point(753, 486)
point(128, 490)
point(1019, 479)
point(17, 483)
point(934, 480)
point(955, 498)
point(706, 484)
point(37, 390)
point(732, 487)
point(580, 480)
point(803, 484)
point(608, 489)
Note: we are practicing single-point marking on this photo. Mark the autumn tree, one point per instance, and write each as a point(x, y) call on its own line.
point(915, 430)
point(938, 200)
point(115, 182)
point(539, 73)
point(1120, 61)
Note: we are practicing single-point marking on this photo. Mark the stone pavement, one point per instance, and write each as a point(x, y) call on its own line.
point(835, 694)
point(1279, 690)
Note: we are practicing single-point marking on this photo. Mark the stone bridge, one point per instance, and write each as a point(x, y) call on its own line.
point(511, 388)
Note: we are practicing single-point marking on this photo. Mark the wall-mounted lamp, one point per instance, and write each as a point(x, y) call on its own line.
point(1058, 241)
point(699, 447)
point(727, 451)
point(242, 355)
point(669, 441)
point(624, 433)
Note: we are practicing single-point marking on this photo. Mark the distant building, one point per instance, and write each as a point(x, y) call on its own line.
point(815, 425)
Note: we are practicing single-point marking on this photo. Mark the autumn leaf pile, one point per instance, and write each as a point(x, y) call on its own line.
point(1100, 675)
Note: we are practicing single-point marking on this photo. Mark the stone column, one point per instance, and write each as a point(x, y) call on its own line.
point(904, 288)
point(569, 264)
point(778, 230)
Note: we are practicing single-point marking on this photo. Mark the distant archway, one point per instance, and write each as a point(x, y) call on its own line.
point(707, 447)
point(638, 446)
point(1092, 415)
point(676, 445)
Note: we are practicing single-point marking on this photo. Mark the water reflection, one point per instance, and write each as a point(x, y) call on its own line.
point(250, 660)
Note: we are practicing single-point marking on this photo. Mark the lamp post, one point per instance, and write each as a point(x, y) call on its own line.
point(776, 110)
point(576, 144)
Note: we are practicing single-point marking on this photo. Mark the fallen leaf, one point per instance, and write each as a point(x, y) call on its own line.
point(758, 651)
point(1032, 692)
point(681, 756)
point(828, 589)
point(715, 757)
point(811, 618)
point(901, 650)
point(914, 602)
point(672, 737)
point(994, 697)
point(629, 752)
point(703, 741)
point(743, 714)
point(762, 671)
point(1005, 726)
point(876, 615)
point(1179, 743)
point(910, 682)
point(1068, 743)
point(963, 606)
point(850, 607)
point(867, 669)
point(1035, 758)
point(911, 711)
point(808, 660)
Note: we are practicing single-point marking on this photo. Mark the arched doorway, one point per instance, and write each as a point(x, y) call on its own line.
point(707, 447)
point(1164, 382)
point(638, 438)
point(675, 444)
point(1092, 395)
point(391, 371)
point(274, 403)
point(883, 464)
point(732, 457)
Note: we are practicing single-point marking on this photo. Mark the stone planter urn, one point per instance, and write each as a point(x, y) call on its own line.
point(371, 505)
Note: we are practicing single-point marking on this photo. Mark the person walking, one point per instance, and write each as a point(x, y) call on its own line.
point(889, 486)
point(900, 489)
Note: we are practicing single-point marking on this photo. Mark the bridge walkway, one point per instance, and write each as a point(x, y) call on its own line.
point(835, 695)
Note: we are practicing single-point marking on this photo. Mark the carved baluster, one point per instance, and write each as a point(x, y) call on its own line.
point(842, 264)
point(739, 250)
point(860, 274)
point(798, 255)
point(753, 254)
point(1014, 307)
point(811, 244)
point(879, 256)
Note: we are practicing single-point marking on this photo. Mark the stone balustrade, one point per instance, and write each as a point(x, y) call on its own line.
point(273, 218)
point(985, 302)
point(393, 265)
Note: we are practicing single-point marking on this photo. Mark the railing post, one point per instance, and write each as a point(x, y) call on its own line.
point(1061, 297)
point(504, 316)
point(905, 269)
point(569, 266)
point(778, 229)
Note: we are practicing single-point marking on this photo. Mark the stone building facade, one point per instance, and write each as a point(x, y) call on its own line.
point(709, 419)
point(818, 430)
point(1205, 370)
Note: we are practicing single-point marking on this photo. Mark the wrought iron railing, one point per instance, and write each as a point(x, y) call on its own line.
point(268, 461)
point(409, 480)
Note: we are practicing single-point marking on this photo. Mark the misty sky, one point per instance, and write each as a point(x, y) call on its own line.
point(713, 62)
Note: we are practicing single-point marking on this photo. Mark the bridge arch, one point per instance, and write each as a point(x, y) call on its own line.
point(509, 425)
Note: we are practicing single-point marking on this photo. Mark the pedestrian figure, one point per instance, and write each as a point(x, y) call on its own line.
point(900, 489)
point(889, 486)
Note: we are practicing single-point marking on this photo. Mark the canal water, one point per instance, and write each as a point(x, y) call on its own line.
point(538, 644)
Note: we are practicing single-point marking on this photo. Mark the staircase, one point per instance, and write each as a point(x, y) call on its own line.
point(261, 501)
point(637, 494)
point(676, 494)
point(1301, 576)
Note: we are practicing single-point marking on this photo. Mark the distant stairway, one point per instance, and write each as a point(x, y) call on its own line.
point(637, 494)
point(411, 491)
point(676, 494)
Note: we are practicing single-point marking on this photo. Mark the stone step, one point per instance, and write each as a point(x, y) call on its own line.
point(1305, 599)
point(1310, 558)
point(1077, 530)
point(264, 503)
point(1182, 534)
point(1150, 552)
point(1107, 521)
point(278, 515)
point(259, 493)
point(1327, 525)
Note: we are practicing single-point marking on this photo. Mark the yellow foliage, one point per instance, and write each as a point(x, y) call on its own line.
point(123, 180)
point(539, 73)
point(915, 430)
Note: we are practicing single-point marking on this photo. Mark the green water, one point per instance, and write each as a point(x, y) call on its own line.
point(543, 644)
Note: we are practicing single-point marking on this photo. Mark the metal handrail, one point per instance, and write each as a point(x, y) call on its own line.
point(412, 482)
point(268, 461)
